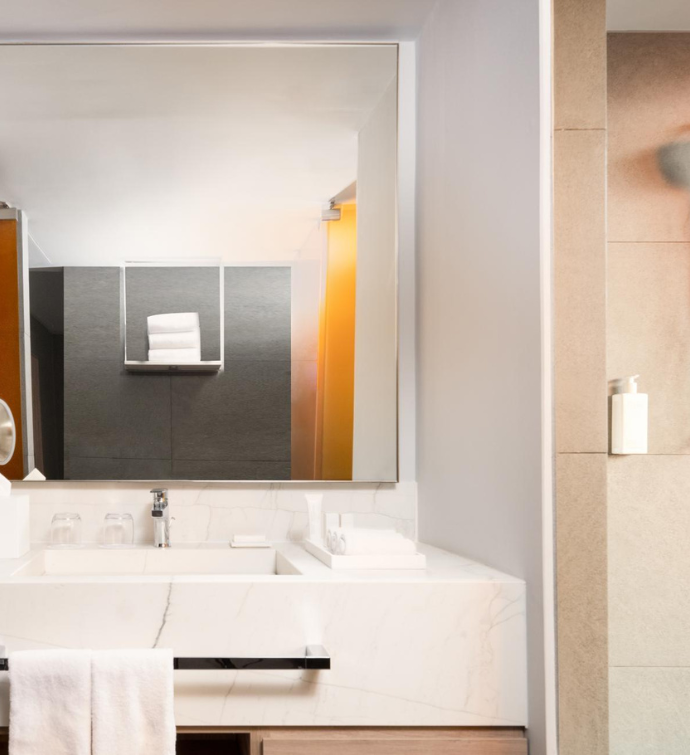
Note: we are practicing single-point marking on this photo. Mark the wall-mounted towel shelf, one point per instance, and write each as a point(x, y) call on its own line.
point(315, 657)
point(133, 366)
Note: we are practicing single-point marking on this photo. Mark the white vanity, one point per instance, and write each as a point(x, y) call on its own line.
point(441, 647)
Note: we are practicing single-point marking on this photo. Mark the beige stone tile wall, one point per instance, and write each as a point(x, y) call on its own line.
point(581, 415)
point(580, 306)
point(649, 711)
point(649, 333)
point(582, 597)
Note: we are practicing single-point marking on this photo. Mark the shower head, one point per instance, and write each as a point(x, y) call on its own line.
point(674, 163)
point(330, 213)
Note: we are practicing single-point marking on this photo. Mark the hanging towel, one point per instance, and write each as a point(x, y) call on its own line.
point(132, 703)
point(174, 323)
point(50, 702)
point(175, 356)
point(188, 339)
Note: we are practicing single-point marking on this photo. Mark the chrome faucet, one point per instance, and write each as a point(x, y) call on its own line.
point(160, 512)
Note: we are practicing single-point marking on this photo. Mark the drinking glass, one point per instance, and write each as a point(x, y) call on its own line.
point(118, 531)
point(65, 531)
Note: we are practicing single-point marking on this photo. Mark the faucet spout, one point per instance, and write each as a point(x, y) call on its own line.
point(160, 511)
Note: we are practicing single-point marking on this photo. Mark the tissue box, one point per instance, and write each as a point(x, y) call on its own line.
point(15, 540)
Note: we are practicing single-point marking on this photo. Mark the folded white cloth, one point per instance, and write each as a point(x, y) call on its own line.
point(132, 703)
point(50, 702)
point(175, 356)
point(188, 339)
point(371, 542)
point(173, 323)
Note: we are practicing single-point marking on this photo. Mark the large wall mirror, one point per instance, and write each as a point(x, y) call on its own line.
point(198, 261)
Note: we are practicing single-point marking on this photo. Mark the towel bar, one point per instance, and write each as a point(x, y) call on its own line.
point(315, 658)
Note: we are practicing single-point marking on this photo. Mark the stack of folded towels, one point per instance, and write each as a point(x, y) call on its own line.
point(174, 338)
point(359, 541)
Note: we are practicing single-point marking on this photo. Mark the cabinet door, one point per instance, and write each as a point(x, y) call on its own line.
point(356, 746)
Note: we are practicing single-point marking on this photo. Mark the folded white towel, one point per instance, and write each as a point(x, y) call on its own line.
point(50, 702)
point(354, 542)
point(188, 339)
point(175, 356)
point(132, 703)
point(173, 323)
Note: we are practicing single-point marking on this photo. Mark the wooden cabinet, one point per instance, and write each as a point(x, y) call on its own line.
point(345, 741)
point(395, 747)
point(393, 742)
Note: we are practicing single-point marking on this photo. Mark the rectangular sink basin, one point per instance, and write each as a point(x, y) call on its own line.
point(95, 562)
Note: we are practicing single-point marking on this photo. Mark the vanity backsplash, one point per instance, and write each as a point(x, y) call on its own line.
point(214, 512)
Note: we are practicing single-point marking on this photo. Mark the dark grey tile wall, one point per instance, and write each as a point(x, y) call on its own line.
point(92, 314)
point(231, 470)
point(257, 313)
point(241, 414)
point(165, 290)
point(232, 425)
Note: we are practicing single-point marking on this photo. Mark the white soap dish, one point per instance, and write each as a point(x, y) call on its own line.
point(412, 561)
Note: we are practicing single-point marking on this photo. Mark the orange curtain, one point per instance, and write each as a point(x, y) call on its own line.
point(10, 364)
point(336, 363)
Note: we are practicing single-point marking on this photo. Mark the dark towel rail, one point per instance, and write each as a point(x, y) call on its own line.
point(315, 658)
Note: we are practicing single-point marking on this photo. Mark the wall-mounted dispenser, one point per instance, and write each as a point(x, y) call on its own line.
point(629, 411)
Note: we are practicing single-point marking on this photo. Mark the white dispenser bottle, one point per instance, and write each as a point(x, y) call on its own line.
point(628, 418)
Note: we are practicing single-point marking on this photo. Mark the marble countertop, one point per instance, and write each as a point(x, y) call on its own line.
point(442, 566)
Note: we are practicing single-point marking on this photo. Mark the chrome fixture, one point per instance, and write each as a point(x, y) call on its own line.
point(315, 658)
point(330, 213)
point(160, 512)
point(8, 433)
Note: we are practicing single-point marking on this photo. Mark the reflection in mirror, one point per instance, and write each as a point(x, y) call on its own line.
point(204, 261)
point(8, 433)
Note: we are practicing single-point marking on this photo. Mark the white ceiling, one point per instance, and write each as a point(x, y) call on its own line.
point(648, 15)
point(211, 19)
point(124, 153)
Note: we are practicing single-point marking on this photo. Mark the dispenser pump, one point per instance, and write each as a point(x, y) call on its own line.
point(629, 384)
point(628, 417)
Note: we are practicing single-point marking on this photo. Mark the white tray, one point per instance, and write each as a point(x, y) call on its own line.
point(416, 561)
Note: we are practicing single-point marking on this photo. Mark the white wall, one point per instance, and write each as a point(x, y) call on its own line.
point(376, 401)
point(478, 296)
point(306, 298)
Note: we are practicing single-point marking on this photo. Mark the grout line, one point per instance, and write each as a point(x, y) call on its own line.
point(582, 453)
point(682, 667)
point(580, 129)
point(607, 453)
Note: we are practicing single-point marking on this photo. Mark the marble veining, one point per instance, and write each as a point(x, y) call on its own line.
point(214, 512)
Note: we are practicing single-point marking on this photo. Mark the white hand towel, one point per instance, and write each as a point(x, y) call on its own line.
point(132, 702)
point(175, 356)
point(50, 702)
point(353, 542)
point(174, 323)
point(189, 339)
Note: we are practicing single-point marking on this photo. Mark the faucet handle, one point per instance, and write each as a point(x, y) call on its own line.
point(160, 498)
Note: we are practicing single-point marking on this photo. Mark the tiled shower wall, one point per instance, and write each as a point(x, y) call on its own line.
point(233, 425)
point(649, 333)
point(580, 373)
point(214, 512)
